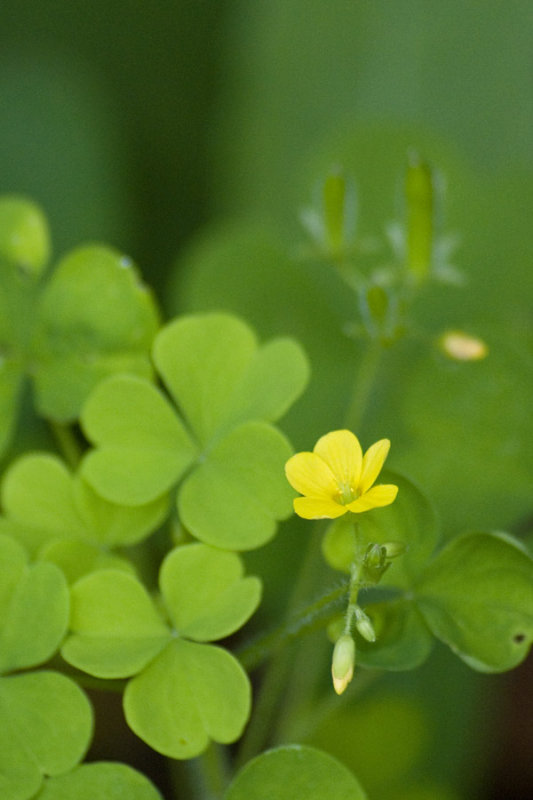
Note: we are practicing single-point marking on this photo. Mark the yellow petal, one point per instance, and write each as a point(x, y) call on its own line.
point(314, 508)
point(342, 452)
point(372, 463)
point(310, 475)
point(381, 495)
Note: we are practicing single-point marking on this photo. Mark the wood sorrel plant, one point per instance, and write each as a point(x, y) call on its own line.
point(120, 545)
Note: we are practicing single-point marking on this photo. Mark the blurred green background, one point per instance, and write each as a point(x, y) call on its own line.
point(189, 134)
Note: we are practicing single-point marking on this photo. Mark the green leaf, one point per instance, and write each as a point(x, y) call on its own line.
point(202, 359)
point(295, 772)
point(95, 319)
point(10, 384)
point(205, 592)
point(44, 502)
point(34, 609)
point(24, 236)
point(234, 498)
point(219, 376)
point(142, 447)
point(76, 559)
point(409, 520)
point(46, 729)
point(403, 640)
point(189, 694)
point(104, 780)
point(477, 597)
point(116, 628)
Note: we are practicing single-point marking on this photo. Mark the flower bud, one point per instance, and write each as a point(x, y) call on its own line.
point(343, 662)
point(463, 347)
point(394, 549)
point(364, 625)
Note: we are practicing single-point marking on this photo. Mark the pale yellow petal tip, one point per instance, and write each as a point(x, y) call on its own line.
point(461, 346)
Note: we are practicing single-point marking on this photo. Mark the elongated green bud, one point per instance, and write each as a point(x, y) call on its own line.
point(343, 662)
point(364, 625)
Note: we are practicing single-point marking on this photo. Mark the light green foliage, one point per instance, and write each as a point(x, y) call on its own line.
point(477, 596)
point(189, 694)
point(295, 772)
point(24, 236)
point(208, 598)
point(118, 631)
point(116, 627)
point(46, 728)
point(91, 318)
point(99, 780)
point(34, 608)
point(65, 508)
point(226, 387)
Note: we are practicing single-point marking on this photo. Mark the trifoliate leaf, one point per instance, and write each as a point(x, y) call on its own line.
point(64, 506)
point(219, 376)
point(34, 609)
point(24, 235)
point(46, 728)
point(116, 628)
point(295, 772)
point(99, 780)
point(142, 446)
point(189, 694)
point(234, 498)
point(95, 319)
point(205, 592)
point(477, 597)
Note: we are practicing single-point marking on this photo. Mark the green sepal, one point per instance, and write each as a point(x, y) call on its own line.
point(292, 772)
point(116, 627)
point(234, 498)
point(142, 446)
point(219, 376)
point(189, 694)
point(34, 608)
point(24, 235)
point(99, 780)
point(46, 729)
point(477, 597)
point(95, 319)
point(205, 592)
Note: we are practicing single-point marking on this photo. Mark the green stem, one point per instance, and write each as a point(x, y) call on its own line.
point(68, 444)
point(315, 615)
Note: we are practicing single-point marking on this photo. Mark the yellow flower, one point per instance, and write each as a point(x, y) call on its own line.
point(336, 477)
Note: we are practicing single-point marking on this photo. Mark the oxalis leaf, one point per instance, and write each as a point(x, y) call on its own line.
point(205, 592)
point(477, 597)
point(295, 772)
point(227, 387)
point(34, 608)
point(44, 502)
point(97, 781)
point(219, 376)
point(189, 694)
point(46, 728)
point(95, 318)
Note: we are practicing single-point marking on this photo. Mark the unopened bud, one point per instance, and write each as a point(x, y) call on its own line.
point(364, 625)
point(343, 662)
point(394, 549)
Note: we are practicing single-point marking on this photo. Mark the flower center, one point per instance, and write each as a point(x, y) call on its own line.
point(346, 493)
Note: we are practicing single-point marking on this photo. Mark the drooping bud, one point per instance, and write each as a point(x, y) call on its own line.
point(364, 625)
point(343, 662)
